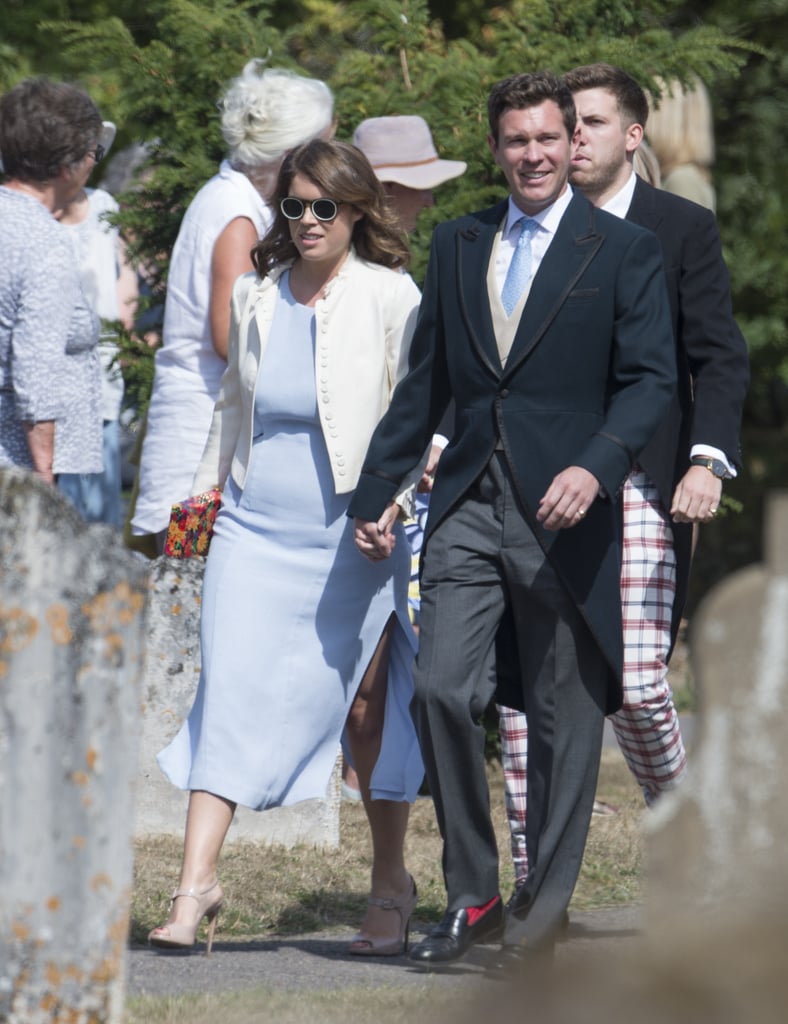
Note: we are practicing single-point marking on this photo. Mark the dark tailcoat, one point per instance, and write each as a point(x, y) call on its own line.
point(588, 381)
point(711, 354)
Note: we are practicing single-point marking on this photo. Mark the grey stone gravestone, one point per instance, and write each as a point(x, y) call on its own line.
point(717, 847)
point(72, 603)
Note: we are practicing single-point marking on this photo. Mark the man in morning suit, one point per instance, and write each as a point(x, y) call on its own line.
point(547, 323)
point(677, 481)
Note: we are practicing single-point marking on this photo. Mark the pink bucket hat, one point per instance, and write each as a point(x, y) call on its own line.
point(400, 149)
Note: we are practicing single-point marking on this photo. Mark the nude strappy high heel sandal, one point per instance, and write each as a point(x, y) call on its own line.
point(365, 945)
point(181, 936)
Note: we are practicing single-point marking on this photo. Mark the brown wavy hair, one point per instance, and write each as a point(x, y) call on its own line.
point(342, 173)
point(44, 127)
point(519, 92)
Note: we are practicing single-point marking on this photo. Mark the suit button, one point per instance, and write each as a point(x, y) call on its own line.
point(504, 393)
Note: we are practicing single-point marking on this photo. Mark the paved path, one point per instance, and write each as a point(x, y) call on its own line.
point(320, 961)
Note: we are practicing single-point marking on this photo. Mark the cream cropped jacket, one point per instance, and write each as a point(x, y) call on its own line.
point(363, 328)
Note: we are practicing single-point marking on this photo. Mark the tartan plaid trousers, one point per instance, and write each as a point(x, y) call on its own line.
point(647, 726)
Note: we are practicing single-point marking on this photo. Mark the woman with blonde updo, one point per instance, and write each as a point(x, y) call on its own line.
point(265, 113)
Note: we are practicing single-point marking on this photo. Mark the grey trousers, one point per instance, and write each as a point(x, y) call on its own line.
point(480, 560)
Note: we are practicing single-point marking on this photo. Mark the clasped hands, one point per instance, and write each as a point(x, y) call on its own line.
point(376, 540)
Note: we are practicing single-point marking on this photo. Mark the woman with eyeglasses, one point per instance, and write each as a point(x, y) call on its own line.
point(50, 378)
point(303, 641)
point(265, 112)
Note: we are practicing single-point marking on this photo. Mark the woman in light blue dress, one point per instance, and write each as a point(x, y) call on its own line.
point(303, 640)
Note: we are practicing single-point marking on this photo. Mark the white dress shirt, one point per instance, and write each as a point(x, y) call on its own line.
point(547, 220)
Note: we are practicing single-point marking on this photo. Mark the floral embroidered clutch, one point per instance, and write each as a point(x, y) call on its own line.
point(191, 525)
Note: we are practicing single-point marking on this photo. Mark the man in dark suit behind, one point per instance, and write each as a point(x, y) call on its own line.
point(678, 479)
point(547, 323)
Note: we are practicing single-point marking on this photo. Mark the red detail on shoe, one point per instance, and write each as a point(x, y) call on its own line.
point(474, 913)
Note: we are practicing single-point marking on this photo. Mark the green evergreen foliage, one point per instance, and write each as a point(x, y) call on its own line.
point(164, 92)
point(750, 115)
point(752, 192)
point(158, 67)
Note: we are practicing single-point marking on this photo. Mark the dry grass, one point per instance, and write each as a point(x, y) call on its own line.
point(276, 891)
point(382, 1005)
point(273, 891)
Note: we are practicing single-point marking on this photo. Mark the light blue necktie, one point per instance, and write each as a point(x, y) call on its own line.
point(519, 271)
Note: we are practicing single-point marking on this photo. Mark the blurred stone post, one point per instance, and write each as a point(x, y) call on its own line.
point(717, 846)
point(172, 671)
point(72, 603)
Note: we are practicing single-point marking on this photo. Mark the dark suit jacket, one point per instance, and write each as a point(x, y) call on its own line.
point(711, 354)
point(589, 377)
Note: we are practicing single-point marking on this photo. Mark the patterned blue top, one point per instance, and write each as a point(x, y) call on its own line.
point(48, 336)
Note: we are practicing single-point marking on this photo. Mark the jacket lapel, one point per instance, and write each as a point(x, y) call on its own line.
point(474, 245)
point(643, 210)
point(575, 244)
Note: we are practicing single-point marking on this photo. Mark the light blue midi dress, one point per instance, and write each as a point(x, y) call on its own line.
point(292, 612)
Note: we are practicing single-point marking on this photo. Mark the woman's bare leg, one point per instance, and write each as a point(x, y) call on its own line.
point(207, 822)
point(388, 819)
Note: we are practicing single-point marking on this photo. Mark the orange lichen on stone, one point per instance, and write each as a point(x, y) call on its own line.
point(105, 611)
point(104, 972)
point(100, 611)
point(118, 931)
point(90, 758)
point(113, 647)
point(17, 629)
point(80, 778)
point(53, 976)
point(53, 903)
point(129, 612)
point(21, 931)
point(133, 598)
point(57, 619)
point(176, 609)
point(121, 605)
point(78, 842)
point(99, 880)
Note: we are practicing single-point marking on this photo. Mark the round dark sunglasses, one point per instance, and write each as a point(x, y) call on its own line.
point(322, 209)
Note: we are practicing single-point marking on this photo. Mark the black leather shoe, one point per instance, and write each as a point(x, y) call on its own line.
point(453, 937)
